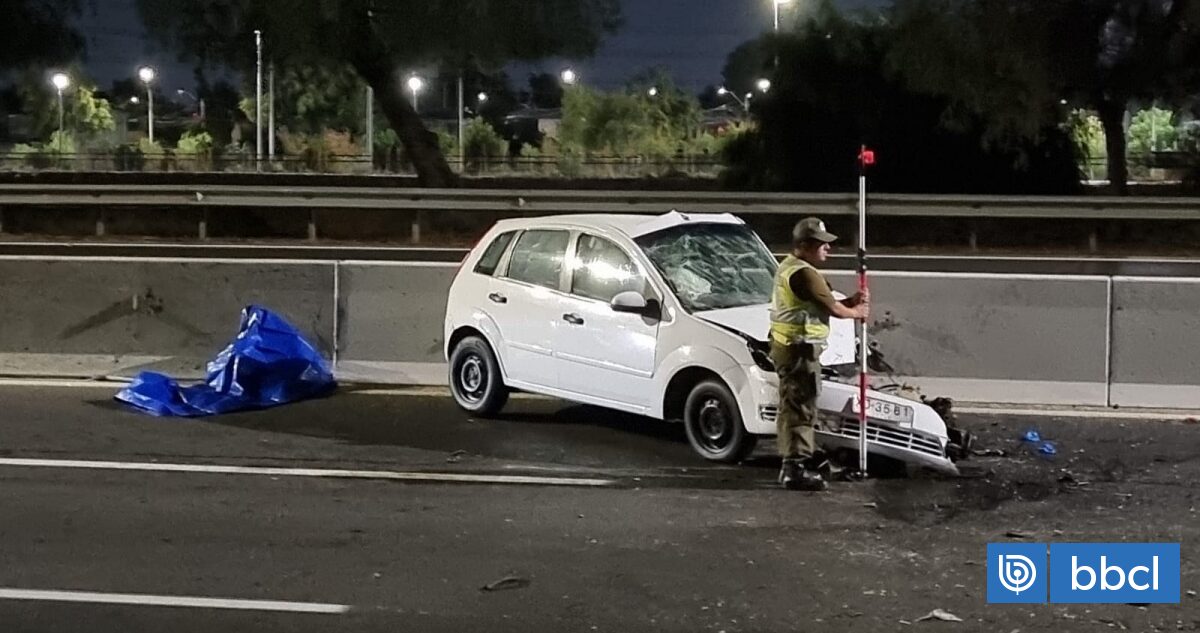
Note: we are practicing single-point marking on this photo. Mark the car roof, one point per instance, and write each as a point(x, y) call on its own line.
point(629, 224)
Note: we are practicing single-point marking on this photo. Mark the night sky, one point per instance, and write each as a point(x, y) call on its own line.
point(691, 38)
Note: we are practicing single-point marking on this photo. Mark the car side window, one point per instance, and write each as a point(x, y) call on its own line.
point(601, 270)
point(491, 256)
point(538, 257)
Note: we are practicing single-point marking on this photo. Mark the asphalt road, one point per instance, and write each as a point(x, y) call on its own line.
point(628, 531)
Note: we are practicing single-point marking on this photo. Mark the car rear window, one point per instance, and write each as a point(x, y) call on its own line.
point(538, 257)
point(491, 256)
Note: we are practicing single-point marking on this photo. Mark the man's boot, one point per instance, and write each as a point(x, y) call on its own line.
point(793, 475)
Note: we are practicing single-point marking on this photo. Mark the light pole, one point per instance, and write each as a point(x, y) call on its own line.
point(184, 93)
point(271, 115)
point(415, 84)
point(723, 91)
point(258, 126)
point(777, 3)
point(370, 142)
point(146, 74)
point(61, 82)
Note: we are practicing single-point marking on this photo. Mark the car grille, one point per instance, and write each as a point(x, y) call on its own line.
point(878, 433)
point(890, 436)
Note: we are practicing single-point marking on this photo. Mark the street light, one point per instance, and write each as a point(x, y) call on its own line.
point(763, 85)
point(724, 91)
point(569, 77)
point(481, 98)
point(653, 91)
point(415, 84)
point(146, 74)
point(61, 82)
point(184, 93)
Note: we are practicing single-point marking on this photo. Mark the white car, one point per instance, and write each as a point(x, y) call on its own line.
point(663, 316)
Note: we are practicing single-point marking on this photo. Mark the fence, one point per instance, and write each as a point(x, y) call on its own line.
point(133, 160)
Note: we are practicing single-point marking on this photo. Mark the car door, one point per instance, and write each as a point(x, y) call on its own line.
point(524, 303)
point(605, 354)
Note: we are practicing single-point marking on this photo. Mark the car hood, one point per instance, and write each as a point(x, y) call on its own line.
point(755, 321)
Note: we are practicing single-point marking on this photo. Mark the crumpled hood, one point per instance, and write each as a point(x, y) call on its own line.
point(755, 321)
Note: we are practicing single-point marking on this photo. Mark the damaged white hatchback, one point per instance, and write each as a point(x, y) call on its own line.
point(664, 316)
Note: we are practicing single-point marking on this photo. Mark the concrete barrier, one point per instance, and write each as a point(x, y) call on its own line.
point(989, 338)
point(1156, 342)
point(390, 321)
point(90, 317)
point(993, 338)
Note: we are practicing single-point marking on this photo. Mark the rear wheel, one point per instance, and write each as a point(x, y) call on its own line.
point(714, 423)
point(475, 377)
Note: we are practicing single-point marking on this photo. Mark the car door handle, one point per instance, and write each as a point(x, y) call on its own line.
point(498, 298)
point(573, 319)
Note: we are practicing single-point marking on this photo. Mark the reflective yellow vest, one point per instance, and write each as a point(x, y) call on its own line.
point(794, 320)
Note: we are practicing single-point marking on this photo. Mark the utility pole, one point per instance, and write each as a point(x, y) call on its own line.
point(271, 123)
point(258, 98)
point(462, 148)
point(370, 142)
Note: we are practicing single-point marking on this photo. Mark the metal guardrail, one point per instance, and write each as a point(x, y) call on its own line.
point(571, 201)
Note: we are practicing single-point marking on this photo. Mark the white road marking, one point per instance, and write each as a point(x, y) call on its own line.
point(307, 472)
point(1109, 414)
point(107, 383)
point(148, 600)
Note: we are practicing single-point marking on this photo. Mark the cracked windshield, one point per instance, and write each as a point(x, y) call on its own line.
point(711, 267)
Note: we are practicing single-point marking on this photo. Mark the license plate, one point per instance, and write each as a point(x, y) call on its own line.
point(884, 410)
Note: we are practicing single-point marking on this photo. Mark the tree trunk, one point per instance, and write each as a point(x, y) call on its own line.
point(420, 144)
point(1112, 118)
point(369, 56)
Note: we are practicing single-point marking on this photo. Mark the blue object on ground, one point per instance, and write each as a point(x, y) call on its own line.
point(1032, 435)
point(268, 364)
point(1048, 448)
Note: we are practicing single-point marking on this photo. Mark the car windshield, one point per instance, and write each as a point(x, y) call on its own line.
point(712, 266)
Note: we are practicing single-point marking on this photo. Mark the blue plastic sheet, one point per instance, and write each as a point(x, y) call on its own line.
point(268, 364)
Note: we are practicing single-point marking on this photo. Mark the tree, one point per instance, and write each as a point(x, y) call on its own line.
point(312, 98)
point(84, 114)
point(746, 65)
point(38, 32)
point(1011, 62)
point(834, 90)
point(545, 91)
point(381, 40)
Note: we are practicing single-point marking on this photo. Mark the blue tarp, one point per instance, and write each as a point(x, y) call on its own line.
point(268, 364)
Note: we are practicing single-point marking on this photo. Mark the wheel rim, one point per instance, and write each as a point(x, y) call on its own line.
point(715, 425)
point(472, 378)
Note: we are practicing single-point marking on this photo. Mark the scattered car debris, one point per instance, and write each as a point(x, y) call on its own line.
point(508, 582)
point(1016, 534)
point(455, 456)
point(939, 614)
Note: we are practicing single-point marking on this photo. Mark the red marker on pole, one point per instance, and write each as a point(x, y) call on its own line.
point(866, 158)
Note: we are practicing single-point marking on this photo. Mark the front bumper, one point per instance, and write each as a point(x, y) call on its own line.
point(883, 438)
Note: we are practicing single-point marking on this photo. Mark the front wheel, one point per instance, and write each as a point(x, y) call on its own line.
point(475, 377)
point(714, 423)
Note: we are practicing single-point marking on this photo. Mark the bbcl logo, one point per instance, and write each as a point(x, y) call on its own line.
point(1083, 573)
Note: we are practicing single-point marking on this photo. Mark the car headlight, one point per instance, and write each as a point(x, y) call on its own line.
point(758, 352)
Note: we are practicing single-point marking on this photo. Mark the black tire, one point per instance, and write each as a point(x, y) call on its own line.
point(714, 423)
point(475, 378)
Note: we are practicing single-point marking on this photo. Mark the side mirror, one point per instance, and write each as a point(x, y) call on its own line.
point(633, 301)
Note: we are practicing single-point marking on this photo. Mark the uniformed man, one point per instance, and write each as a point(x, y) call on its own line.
point(801, 305)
